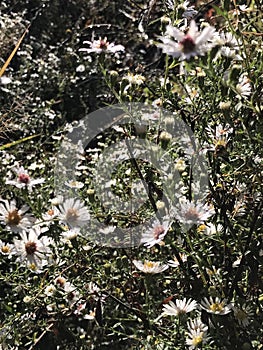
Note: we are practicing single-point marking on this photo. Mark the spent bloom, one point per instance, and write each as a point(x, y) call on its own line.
point(24, 180)
point(15, 219)
point(243, 315)
point(179, 307)
point(185, 46)
point(33, 249)
point(150, 266)
point(102, 45)
point(73, 213)
point(216, 306)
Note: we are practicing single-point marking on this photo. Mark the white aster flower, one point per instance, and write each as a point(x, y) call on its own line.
point(191, 213)
point(221, 135)
point(179, 307)
point(210, 229)
point(229, 46)
point(32, 250)
point(150, 266)
point(15, 219)
point(50, 290)
point(196, 325)
point(72, 294)
point(216, 306)
point(7, 249)
point(73, 213)
point(195, 338)
point(102, 45)
point(156, 233)
point(50, 214)
point(75, 184)
point(188, 45)
point(23, 179)
point(71, 234)
point(243, 87)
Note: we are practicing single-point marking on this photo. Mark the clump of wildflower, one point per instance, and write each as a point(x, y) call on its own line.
point(150, 266)
point(185, 46)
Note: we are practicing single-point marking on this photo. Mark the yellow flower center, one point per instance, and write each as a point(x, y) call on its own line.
point(32, 267)
point(5, 249)
point(201, 228)
point(149, 264)
point(198, 339)
point(221, 144)
point(216, 307)
point(13, 218)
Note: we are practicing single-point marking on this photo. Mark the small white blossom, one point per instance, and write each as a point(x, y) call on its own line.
point(50, 290)
point(33, 249)
point(156, 233)
point(15, 219)
point(193, 212)
point(102, 45)
point(150, 266)
point(73, 213)
point(179, 307)
point(7, 249)
point(23, 179)
point(216, 306)
point(243, 87)
point(195, 338)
